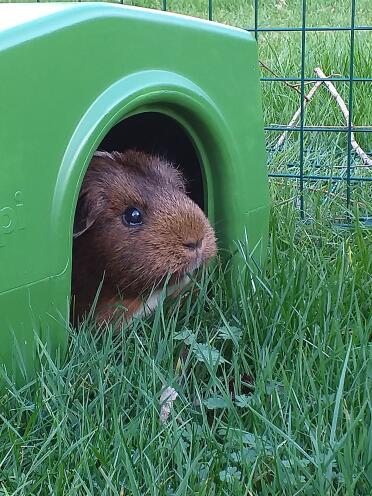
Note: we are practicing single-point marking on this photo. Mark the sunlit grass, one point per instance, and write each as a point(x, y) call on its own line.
point(273, 376)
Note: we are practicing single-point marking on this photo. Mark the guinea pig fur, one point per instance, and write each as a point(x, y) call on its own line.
point(135, 227)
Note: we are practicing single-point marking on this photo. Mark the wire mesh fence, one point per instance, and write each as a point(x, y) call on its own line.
point(316, 73)
point(329, 147)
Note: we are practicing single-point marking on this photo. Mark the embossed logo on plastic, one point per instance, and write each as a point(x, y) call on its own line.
point(11, 218)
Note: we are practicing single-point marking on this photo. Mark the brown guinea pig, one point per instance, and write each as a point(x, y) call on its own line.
point(135, 228)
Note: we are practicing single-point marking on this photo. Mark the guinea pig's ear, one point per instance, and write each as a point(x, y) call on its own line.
point(85, 215)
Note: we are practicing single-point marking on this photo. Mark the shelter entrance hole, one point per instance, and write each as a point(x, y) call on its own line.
point(156, 133)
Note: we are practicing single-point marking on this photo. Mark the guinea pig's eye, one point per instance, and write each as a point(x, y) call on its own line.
point(132, 217)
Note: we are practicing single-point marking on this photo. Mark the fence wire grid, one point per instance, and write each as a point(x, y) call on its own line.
point(316, 73)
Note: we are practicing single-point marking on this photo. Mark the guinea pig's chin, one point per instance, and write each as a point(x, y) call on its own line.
point(194, 265)
point(178, 285)
point(179, 278)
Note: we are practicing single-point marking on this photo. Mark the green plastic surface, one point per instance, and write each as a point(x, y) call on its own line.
point(69, 72)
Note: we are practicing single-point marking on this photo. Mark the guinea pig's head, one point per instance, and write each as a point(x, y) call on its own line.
point(139, 222)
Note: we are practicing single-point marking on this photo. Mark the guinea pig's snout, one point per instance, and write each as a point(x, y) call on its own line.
point(199, 248)
point(194, 253)
point(193, 244)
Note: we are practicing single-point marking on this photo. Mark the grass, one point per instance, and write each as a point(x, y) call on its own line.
point(274, 386)
point(274, 374)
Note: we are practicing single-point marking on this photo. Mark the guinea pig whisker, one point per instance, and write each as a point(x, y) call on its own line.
point(133, 282)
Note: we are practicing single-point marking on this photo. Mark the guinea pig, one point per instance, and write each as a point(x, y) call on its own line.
point(135, 228)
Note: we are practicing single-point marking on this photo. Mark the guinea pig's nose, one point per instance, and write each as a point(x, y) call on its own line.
point(193, 244)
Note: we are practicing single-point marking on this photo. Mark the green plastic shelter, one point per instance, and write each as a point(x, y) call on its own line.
point(86, 76)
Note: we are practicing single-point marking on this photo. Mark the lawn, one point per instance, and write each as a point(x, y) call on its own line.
point(273, 372)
